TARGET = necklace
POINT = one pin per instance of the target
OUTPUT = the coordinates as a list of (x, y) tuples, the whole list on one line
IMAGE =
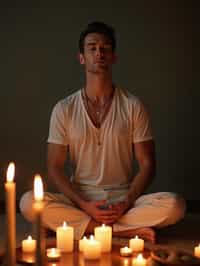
[(96, 111)]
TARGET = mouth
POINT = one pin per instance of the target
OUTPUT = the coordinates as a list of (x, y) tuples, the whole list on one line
[(100, 62)]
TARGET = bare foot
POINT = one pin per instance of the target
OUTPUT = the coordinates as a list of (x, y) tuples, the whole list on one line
[(146, 233)]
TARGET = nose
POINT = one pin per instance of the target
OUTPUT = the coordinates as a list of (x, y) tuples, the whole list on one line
[(100, 51)]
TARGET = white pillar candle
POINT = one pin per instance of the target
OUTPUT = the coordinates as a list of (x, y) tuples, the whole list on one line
[(65, 238), (197, 251), (136, 244), (53, 254), (125, 252), (38, 205), (139, 261), (82, 243), (92, 249), (104, 235), (10, 194), (28, 245)]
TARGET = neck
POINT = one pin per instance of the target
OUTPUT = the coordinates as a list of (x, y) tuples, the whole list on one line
[(99, 88)]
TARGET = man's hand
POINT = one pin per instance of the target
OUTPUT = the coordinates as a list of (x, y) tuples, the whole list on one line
[(120, 207), (106, 216)]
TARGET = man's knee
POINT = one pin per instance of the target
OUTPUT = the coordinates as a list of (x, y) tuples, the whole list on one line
[(25, 205), (177, 209)]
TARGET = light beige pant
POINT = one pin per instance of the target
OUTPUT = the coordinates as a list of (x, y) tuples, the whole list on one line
[(151, 210)]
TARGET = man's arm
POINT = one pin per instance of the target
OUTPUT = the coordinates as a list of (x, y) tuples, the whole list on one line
[(56, 157), (145, 156)]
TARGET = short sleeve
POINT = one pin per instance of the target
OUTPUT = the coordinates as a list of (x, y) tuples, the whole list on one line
[(57, 127), (142, 129)]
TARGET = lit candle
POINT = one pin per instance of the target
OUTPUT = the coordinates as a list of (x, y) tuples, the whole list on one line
[(125, 252), (197, 251), (10, 194), (139, 261), (65, 238), (53, 254), (38, 208), (92, 249), (82, 243), (126, 262), (29, 245), (136, 244), (104, 235)]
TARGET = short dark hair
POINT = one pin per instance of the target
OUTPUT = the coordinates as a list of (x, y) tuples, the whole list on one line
[(97, 27)]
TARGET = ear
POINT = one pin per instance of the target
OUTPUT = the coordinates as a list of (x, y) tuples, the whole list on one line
[(81, 59)]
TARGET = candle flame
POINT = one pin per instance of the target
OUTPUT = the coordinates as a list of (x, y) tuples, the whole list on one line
[(126, 262), (64, 225), (136, 237), (29, 238), (38, 188), (10, 172), (91, 237), (103, 225), (53, 251), (140, 257)]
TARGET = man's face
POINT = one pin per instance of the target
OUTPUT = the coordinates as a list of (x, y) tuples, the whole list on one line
[(98, 56)]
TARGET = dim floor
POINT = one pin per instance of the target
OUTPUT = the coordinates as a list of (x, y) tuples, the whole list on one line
[(184, 235)]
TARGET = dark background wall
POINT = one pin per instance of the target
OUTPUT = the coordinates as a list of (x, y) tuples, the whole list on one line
[(38, 66)]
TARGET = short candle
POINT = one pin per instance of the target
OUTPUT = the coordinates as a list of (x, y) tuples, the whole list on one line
[(92, 249), (125, 252), (82, 243), (139, 261), (65, 238), (29, 245), (197, 251), (136, 244), (53, 254), (104, 235)]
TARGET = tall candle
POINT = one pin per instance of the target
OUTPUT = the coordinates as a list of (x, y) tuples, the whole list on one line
[(10, 194), (136, 244), (197, 251), (104, 235), (65, 238), (139, 261), (38, 208), (92, 249)]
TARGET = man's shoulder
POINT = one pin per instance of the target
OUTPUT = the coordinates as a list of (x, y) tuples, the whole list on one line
[(69, 99), (128, 96)]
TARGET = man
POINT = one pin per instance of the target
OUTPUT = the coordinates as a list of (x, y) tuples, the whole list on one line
[(102, 128)]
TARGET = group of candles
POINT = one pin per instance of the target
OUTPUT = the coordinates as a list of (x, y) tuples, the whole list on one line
[(91, 248)]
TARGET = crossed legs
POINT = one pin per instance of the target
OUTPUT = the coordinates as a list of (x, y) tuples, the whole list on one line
[(149, 211)]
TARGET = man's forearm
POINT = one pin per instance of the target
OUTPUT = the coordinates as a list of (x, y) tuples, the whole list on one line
[(64, 185), (140, 182)]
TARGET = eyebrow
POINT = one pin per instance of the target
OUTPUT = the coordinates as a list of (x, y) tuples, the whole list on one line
[(91, 43)]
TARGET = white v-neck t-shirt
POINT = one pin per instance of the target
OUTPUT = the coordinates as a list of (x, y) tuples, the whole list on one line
[(110, 164)]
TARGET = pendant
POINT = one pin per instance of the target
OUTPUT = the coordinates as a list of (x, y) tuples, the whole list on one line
[(98, 138)]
